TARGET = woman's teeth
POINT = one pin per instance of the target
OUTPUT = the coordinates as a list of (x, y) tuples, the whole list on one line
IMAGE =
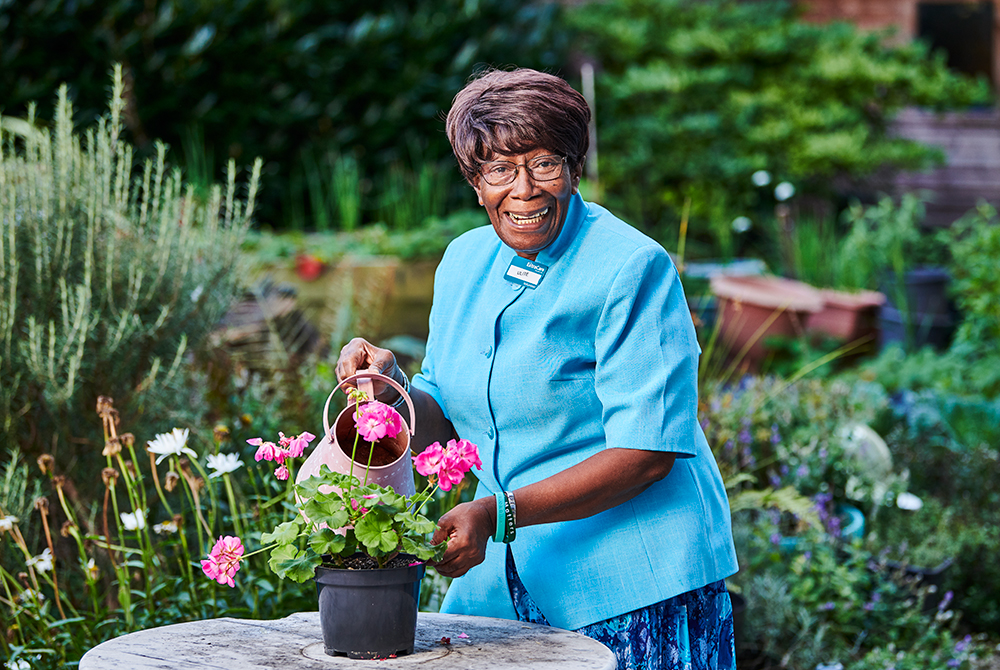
[(534, 218)]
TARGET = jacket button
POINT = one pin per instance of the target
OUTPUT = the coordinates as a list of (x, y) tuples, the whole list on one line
[(490, 433), (488, 351)]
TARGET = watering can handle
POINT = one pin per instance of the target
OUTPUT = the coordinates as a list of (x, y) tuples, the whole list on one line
[(368, 377)]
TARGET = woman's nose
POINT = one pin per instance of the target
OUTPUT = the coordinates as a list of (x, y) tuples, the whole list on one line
[(524, 185)]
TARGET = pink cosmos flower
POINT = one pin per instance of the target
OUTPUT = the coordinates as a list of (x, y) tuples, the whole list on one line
[(224, 560), (428, 461), (375, 420), (297, 445), (266, 451), (281, 472)]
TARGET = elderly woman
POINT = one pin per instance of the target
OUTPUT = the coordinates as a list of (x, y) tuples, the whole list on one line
[(561, 343)]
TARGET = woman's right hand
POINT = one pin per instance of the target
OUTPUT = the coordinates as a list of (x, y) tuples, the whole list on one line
[(360, 355)]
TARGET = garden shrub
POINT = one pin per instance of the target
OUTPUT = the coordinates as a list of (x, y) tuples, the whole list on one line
[(695, 97), (300, 82), (974, 245), (110, 277)]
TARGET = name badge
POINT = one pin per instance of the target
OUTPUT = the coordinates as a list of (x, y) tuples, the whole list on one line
[(523, 272)]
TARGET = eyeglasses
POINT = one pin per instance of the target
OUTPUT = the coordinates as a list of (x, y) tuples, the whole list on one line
[(542, 168)]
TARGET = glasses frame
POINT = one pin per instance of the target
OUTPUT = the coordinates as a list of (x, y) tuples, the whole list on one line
[(518, 166)]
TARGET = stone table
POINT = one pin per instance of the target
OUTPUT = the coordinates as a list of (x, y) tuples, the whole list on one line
[(296, 643)]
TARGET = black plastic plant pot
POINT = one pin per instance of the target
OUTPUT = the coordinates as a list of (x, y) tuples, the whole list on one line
[(369, 614), (925, 577)]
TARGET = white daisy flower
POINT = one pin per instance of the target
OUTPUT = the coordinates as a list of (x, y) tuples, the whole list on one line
[(136, 521), (30, 595), (42, 562), (167, 527), (170, 444), (222, 464), (7, 523), (92, 570)]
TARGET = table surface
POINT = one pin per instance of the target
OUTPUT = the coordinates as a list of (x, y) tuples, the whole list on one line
[(296, 643)]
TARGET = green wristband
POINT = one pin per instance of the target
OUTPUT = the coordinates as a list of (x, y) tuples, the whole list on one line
[(510, 516), (501, 530)]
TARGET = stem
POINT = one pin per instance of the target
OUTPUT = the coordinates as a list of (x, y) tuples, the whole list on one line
[(52, 550), (368, 466), (425, 500), (237, 524), (156, 482)]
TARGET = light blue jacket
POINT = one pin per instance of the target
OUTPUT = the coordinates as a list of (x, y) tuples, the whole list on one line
[(601, 354)]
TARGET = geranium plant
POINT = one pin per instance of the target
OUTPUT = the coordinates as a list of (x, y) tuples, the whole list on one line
[(341, 515)]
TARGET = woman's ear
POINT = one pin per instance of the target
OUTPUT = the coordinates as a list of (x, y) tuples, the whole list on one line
[(474, 183), (576, 174)]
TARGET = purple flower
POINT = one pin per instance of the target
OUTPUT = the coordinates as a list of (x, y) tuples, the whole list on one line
[(802, 471), (963, 644), (745, 437), (775, 480), (827, 606), (775, 538), (775, 434), (869, 606), (704, 423), (783, 469), (823, 453), (807, 555), (954, 663), (945, 601)]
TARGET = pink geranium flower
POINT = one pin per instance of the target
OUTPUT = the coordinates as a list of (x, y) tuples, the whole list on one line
[(452, 470), (281, 472), (375, 420), (267, 451), (224, 560), (467, 453), (428, 461)]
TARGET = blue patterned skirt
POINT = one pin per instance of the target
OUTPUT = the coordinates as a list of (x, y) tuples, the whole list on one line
[(692, 631)]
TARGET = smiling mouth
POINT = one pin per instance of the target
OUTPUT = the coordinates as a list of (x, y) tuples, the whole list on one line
[(529, 220)]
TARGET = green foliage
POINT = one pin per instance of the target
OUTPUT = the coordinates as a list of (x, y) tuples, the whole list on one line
[(833, 603), (974, 245), (962, 370), (301, 82), (694, 97), (375, 521), (109, 274)]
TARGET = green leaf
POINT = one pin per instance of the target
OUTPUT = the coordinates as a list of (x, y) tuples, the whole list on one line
[(284, 533), (327, 508), (325, 541), (423, 549), (376, 533), (288, 562), (416, 523)]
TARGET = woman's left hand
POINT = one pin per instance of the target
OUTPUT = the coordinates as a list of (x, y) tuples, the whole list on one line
[(467, 527)]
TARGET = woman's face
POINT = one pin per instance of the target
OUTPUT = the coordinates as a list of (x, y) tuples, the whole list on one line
[(528, 214)]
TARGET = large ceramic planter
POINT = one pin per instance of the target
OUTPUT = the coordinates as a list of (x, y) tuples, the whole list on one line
[(369, 614), (752, 309), (847, 316)]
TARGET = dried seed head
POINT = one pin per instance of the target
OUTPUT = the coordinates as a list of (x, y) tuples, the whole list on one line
[(130, 466), (185, 467), (128, 439), (67, 529), (104, 405), (171, 481), (178, 520), (42, 504), (221, 433), (23, 578), (112, 447), (45, 463), (110, 477), (59, 481)]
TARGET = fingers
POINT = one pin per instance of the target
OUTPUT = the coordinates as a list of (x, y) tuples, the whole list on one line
[(359, 355), (467, 528)]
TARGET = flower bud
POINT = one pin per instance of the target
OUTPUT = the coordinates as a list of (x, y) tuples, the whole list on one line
[(109, 476), (220, 432), (171, 481), (45, 463)]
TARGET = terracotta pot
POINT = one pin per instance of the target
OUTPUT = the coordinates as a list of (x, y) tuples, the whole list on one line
[(390, 461), (753, 308), (847, 316), (369, 614)]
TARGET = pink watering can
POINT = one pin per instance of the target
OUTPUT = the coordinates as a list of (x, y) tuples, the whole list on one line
[(391, 465)]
